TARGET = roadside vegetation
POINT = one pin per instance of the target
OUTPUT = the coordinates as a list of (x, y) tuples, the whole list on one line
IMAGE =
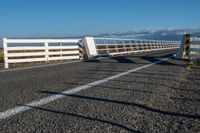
[(1, 55)]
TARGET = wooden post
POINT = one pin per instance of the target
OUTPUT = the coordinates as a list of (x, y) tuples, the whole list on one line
[(46, 45), (5, 45)]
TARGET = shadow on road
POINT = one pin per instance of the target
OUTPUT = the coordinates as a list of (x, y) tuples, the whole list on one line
[(175, 114), (122, 59), (109, 87), (150, 57), (186, 99), (126, 81), (84, 117)]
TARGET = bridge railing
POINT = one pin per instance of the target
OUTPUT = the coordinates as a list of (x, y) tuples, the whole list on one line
[(189, 48), (112, 46), (44, 50), (194, 47), (39, 50)]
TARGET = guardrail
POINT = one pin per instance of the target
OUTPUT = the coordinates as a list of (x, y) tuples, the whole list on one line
[(39, 50), (189, 48), (44, 50), (113, 46), (194, 47)]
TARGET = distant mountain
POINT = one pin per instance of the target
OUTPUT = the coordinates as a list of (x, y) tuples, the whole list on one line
[(175, 34)]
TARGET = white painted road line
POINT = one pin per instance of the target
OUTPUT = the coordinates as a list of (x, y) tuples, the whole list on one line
[(40, 66), (43, 101)]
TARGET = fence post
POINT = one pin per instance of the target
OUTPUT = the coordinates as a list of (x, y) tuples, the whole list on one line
[(131, 46), (164, 44), (5, 50), (161, 45), (82, 51), (142, 46), (60, 44), (156, 45), (169, 45), (187, 45), (137, 47), (46, 45), (90, 47), (184, 49), (153, 45)]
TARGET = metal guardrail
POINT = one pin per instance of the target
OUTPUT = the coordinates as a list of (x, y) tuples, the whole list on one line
[(189, 48), (39, 50), (114, 46), (194, 47)]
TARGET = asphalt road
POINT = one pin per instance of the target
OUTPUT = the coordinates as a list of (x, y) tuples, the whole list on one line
[(163, 97)]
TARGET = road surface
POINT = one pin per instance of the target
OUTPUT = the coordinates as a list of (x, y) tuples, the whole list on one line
[(146, 92)]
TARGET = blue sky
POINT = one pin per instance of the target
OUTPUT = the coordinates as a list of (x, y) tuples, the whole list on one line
[(24, 18)]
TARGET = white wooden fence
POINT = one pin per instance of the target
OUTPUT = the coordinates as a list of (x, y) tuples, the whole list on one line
[(39, 50), (114, 46)]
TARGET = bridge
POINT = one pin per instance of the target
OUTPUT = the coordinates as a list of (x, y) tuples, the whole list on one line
[(126, 85)]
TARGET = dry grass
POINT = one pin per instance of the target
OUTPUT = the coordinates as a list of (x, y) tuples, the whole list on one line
[(194, 63), (1, 55)]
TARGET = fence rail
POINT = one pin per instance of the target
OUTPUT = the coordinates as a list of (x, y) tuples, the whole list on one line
[(115, 46), (28, 50), (39, 50)]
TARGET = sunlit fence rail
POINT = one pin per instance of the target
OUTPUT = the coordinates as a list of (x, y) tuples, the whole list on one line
[(39, 50), (122, 46)]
